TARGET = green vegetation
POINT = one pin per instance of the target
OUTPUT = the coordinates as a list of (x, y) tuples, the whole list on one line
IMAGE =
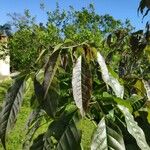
[(17, 135), (73, 26), (84, 79)]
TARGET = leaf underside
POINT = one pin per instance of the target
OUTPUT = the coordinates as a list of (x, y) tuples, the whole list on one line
[(81, 84), (108, 78), (106, 138), (134, 129)]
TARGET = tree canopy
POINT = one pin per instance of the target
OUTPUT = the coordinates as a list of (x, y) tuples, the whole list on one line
[(77, 26)]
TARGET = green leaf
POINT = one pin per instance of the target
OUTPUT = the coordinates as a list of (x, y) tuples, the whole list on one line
[(144, 4), (11, 107), (116, 100), (108, 78), (68, 41), (62, 134), (136, 101), (140, 89), (65, 131), (34, 116), (38, 143), (134, 129), (40, 55), (57, 47), (50, 70), (144, 124), (106, 137), (81, 84), (50, 102), (148, 116), (33, 124), (4, 85)]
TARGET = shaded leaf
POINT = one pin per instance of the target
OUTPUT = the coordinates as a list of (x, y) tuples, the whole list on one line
[(144, 4), (81, 84), (115, 100), (30, 134), (11, 107), (65, 132), (50, 103), (105, 137), (38, 143), (137, 102), (134, 129), (50, 70), (33, 124), (108, 40), (62, 134)]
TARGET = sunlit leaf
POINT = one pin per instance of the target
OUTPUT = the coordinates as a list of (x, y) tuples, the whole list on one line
[(148, 116), (81, 84), (134, 129), (106, 138), (108, 78), (57, 47), (144, 124), (147, 88), (139, 86)]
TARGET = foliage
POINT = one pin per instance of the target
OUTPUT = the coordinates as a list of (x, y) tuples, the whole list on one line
[(144, 4), (106, 137), (30, 38), (106, 88), (3, 50), (5, 29), (28, 43)]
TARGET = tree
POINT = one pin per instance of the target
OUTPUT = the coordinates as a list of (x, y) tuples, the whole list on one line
[(5, 29), (83, 77), (77, 26)]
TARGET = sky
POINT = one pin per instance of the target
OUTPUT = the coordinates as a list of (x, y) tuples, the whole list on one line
[(119, 9)]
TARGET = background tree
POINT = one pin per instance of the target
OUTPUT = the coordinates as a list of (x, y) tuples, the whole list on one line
[(5, 29), (78, 26)]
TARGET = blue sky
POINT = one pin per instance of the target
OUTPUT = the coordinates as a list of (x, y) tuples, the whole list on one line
[(119, 9)]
